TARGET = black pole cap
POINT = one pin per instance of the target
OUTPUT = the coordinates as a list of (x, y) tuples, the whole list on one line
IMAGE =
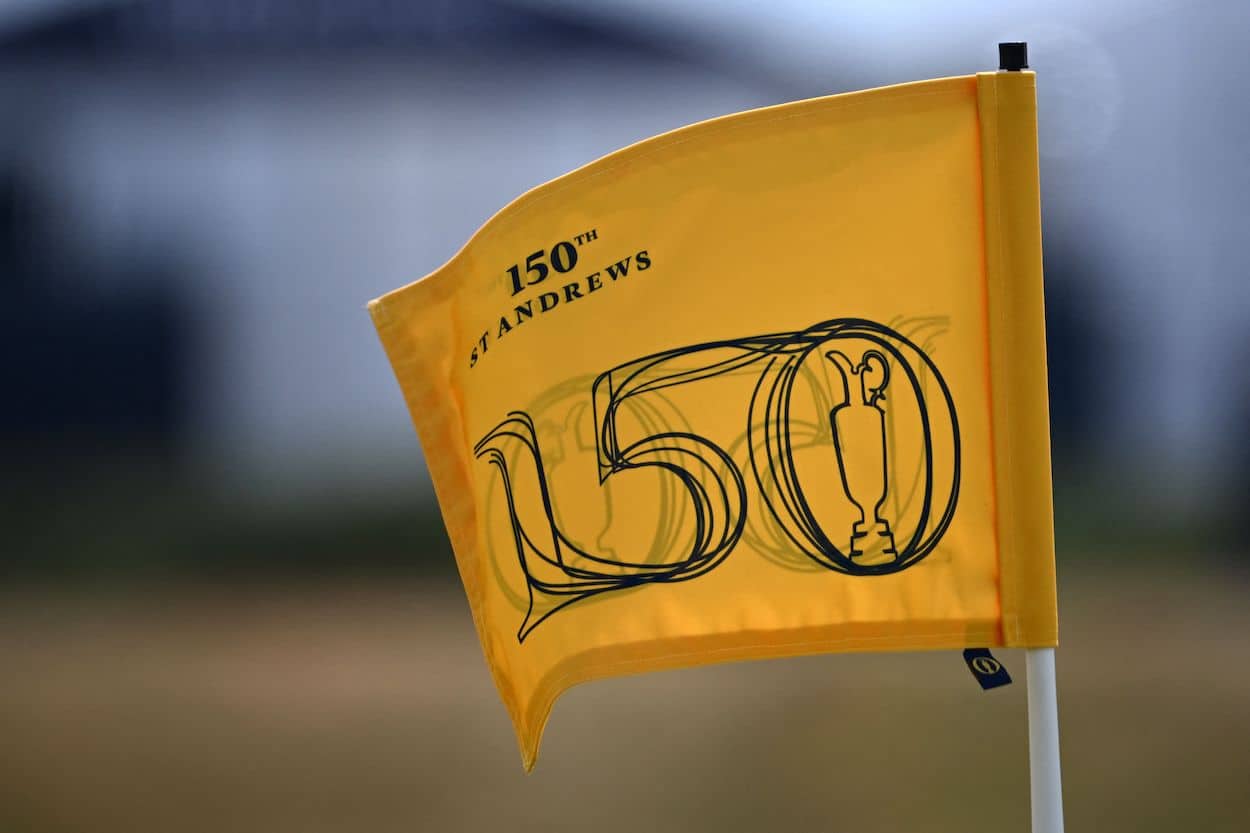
[(1013, 56)]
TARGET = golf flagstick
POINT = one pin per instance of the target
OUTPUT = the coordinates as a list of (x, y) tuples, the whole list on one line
[(1045, 787)]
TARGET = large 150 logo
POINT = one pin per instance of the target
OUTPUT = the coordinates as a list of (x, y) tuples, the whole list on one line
[(846, 431)]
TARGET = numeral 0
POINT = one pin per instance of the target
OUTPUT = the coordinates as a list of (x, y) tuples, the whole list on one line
[(563, 256)]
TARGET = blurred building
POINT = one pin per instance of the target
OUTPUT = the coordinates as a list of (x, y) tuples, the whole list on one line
[(201, 196)]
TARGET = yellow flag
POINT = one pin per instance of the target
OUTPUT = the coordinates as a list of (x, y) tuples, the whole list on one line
[(772, 384)]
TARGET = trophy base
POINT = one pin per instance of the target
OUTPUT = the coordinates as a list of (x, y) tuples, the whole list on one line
[(872, 544)]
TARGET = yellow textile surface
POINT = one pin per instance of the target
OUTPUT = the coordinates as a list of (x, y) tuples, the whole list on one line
[(772, 384)]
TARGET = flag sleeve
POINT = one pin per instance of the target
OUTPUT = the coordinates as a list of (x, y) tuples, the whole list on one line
[(1017, 338)]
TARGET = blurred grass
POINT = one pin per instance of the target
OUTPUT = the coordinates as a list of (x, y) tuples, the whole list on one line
[(176, 659), (364, 704)]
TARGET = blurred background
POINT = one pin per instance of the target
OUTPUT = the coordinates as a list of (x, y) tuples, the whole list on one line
[(226, 598)]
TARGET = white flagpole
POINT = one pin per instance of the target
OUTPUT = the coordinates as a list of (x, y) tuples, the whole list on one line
[(1045, 786), (1046, 790)]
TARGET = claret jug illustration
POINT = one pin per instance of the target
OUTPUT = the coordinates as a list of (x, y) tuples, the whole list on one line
[(858, 426)]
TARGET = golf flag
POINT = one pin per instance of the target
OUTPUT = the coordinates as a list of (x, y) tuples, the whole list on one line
[(768, 385)]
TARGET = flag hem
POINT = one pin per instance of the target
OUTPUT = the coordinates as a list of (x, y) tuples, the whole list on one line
[(1017, 348), (714, 649)]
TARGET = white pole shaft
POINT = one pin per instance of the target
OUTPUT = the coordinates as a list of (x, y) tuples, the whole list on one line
[(1046, 791)]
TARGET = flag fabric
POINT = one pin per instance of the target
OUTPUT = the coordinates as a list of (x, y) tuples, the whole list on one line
[(768, 385)]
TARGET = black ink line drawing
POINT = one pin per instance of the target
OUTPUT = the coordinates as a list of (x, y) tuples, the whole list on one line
[(563, 422), (859, 359), (859, 431)]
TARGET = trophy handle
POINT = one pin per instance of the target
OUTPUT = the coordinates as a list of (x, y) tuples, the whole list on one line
[(859, 442), (873, 361)]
